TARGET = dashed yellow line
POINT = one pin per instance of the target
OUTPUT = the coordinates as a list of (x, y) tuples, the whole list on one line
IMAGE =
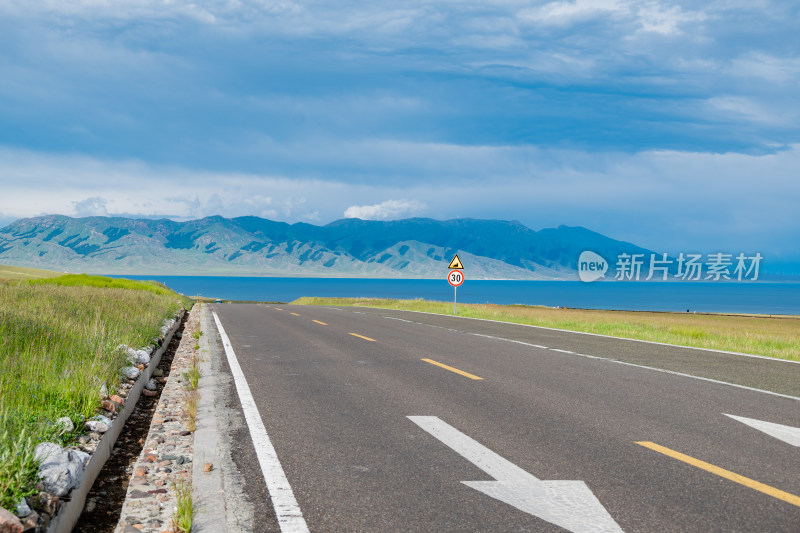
[(451, 369), (295, 314), (727, 474), (363, 337), (279, 309), (318, 322)]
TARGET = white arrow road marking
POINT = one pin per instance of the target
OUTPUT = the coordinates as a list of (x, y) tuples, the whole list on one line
[(788, 434), (568, 504)]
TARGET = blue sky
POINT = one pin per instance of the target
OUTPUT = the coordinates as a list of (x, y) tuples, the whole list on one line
[(674, 125)]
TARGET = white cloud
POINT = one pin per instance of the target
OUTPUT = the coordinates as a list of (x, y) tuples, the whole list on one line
[(569, 12), (769, 68), (736, 108), (656, 18), (666, 200), (624, 16), (94, 206), (388, 210)]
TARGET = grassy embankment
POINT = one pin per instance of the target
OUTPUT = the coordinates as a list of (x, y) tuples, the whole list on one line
[(769, 336), (58, 340), (15, 272)]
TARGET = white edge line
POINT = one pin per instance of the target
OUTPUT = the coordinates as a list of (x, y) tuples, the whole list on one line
[(587, 333), (287, 510), (673, 372)]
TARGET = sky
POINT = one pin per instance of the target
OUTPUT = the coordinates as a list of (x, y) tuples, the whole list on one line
[(673, 125)]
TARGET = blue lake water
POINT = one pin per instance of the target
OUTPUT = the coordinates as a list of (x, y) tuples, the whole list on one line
[(719, 297)]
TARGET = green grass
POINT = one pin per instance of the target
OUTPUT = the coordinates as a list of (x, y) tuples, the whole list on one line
[(191, 397), (15, 272), (185, 508), (58, 343), (193, 375), (760, 335), (18, 467), (102, 282)]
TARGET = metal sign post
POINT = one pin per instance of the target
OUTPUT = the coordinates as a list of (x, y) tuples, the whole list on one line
[(455, 278)]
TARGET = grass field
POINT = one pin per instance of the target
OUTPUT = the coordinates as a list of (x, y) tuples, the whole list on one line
[(15, 272), (769, 336), (58, 346)]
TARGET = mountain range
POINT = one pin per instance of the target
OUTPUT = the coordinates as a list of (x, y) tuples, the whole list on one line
[(252, 246)]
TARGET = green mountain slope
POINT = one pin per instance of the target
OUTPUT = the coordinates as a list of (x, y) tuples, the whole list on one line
[(416, 247)]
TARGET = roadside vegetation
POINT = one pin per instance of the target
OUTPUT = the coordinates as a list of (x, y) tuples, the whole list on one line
[(759, 335), (58, 348), (185, 507)]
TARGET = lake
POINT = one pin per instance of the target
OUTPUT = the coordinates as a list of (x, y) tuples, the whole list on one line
[(713, 297)]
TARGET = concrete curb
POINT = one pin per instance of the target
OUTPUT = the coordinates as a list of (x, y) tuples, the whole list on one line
[(208, 487), (70, 512)]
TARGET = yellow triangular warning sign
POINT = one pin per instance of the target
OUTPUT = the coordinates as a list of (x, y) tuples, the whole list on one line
[(456, 263)]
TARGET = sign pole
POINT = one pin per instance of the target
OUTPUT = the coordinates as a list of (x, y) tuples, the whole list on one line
[(455, 278)]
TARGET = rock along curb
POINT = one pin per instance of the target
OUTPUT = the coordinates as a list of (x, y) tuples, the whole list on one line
[(70, 511)]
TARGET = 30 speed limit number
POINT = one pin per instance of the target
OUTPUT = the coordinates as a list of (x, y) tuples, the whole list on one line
[(455, 278)]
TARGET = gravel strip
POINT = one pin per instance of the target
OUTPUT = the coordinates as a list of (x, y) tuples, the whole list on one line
[(168, 452)]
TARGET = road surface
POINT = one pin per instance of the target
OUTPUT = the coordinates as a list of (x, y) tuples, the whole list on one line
[(398, 421)]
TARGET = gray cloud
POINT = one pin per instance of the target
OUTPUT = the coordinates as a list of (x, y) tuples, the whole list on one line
[(668, 124)]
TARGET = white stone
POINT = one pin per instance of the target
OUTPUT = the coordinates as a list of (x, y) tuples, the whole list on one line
[(96, 425), (47, 452), (66, 424), (59, 469), (151, 384), (137, 356), (23, 509), (81, 456), (131, 372)]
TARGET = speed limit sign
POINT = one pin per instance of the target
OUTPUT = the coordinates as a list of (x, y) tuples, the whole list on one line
[(455, 278)]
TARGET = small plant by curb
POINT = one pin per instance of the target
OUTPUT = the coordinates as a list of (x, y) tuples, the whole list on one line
[(192, 376), (191, 397), (190, 401), (185, 508)]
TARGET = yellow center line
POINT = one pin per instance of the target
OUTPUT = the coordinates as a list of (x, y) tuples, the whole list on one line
[(279, 309), (451, 369), (363, 337), (318, 322), (295, 314), (727, 474)]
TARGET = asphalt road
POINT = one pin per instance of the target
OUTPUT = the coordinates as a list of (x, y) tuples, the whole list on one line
[(335, 388)]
